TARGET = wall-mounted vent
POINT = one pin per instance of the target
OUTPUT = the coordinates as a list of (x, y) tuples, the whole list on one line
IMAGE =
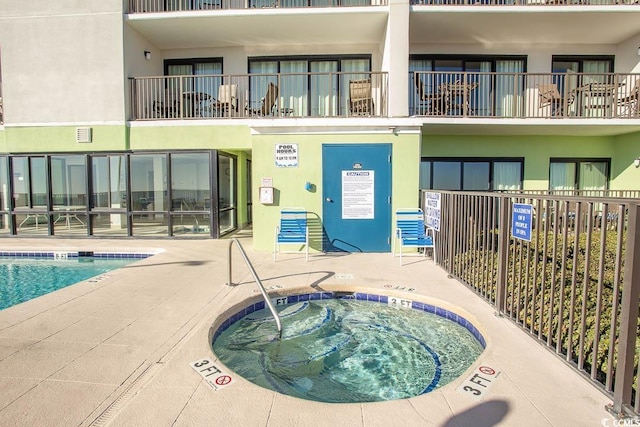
[(83, 134)]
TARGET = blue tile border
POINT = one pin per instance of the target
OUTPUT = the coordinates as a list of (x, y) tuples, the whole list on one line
[(74, 254), (359, 296)]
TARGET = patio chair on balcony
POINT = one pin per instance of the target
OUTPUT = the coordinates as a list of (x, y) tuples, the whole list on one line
[(267, 104), (360, 98), (629, 106), (165, 109), (226, 103), (428, 103), (550, 96)]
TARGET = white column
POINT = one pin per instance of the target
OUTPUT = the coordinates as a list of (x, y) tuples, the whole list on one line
[(395, 57)]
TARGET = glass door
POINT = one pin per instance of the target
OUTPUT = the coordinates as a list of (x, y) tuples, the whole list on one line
[(227, 193), (108, 201)]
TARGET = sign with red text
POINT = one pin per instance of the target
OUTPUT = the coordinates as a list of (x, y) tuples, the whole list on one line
[(212, 374), (479, 383)]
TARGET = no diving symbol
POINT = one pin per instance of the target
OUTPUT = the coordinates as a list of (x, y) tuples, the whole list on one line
[(485, 370), (223, 380)]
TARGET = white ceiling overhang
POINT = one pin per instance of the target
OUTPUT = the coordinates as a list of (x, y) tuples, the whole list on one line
[(525, 25), (262, 27)]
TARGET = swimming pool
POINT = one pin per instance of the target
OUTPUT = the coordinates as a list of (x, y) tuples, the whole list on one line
[(348, 347), (27, 275)]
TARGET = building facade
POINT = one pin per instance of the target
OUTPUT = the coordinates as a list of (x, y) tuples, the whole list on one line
[(194, 118)]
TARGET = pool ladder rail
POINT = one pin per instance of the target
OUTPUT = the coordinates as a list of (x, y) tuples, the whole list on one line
[(267, 300)]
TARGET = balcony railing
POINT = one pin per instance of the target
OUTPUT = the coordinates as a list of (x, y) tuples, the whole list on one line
[(155, 6), (524, 95), (526, 2), (343, 94)]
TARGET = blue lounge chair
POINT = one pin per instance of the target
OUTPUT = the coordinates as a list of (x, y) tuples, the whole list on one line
[(411, 232), (293, 229)]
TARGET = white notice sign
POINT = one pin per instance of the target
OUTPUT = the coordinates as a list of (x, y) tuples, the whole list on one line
[(432, 210), (477, 385), (213, 375), (357, 194), (287, 155)]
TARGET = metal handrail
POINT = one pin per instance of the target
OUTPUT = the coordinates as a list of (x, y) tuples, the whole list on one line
[(258, 282)]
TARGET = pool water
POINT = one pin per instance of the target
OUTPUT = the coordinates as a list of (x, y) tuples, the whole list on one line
[(345, 350), (22, 279)]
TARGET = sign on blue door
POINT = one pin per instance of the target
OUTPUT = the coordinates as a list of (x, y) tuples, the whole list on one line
[(521, 219)]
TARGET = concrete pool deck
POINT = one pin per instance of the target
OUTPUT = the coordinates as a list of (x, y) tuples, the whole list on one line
[(117, 351)]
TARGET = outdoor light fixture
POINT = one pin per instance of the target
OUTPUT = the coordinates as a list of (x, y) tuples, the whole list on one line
[(636, 162), (147, 54)]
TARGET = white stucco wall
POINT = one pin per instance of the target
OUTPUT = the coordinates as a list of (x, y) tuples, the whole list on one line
[(62, 61)]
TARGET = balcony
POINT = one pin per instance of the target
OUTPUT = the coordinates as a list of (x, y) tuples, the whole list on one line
[(259, 96), (154, 6), (524, 95), (526, 2)]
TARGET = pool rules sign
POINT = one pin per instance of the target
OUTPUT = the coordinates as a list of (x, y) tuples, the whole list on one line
[(521, 219)]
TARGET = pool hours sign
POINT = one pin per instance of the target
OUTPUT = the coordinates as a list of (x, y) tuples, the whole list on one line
[(287, 155)]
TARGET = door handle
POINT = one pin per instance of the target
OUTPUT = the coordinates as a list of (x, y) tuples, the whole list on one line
[(329, 200)]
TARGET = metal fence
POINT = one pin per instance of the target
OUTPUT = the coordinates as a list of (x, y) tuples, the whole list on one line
[(524, 95), (155, 6), (340, 94), (586, 3), (574, 286)]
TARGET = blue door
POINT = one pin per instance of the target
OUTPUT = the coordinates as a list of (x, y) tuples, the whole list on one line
[(356, 193)]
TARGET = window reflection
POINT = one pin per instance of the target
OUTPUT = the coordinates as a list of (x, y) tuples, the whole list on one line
[(21, 192), (109, 182), (125, 194), (149, 182), (68, 182), (190, 189)]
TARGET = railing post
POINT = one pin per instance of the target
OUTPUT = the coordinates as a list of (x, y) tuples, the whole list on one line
[(503, 252), (452, 218), (628, 317)]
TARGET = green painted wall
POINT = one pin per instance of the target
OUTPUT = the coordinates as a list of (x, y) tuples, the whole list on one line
[(289, 183), (49, 139), (190, 137), (624, 175), (536, 150)]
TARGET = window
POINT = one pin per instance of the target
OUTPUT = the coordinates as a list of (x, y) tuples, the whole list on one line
[(578, 174), (571, 72), (471, 174), (498, 92), (307, 86), (116, 194), (582, 64), (196, 66), (68, 182), (29, 182), (195, 92), (109, 180)]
